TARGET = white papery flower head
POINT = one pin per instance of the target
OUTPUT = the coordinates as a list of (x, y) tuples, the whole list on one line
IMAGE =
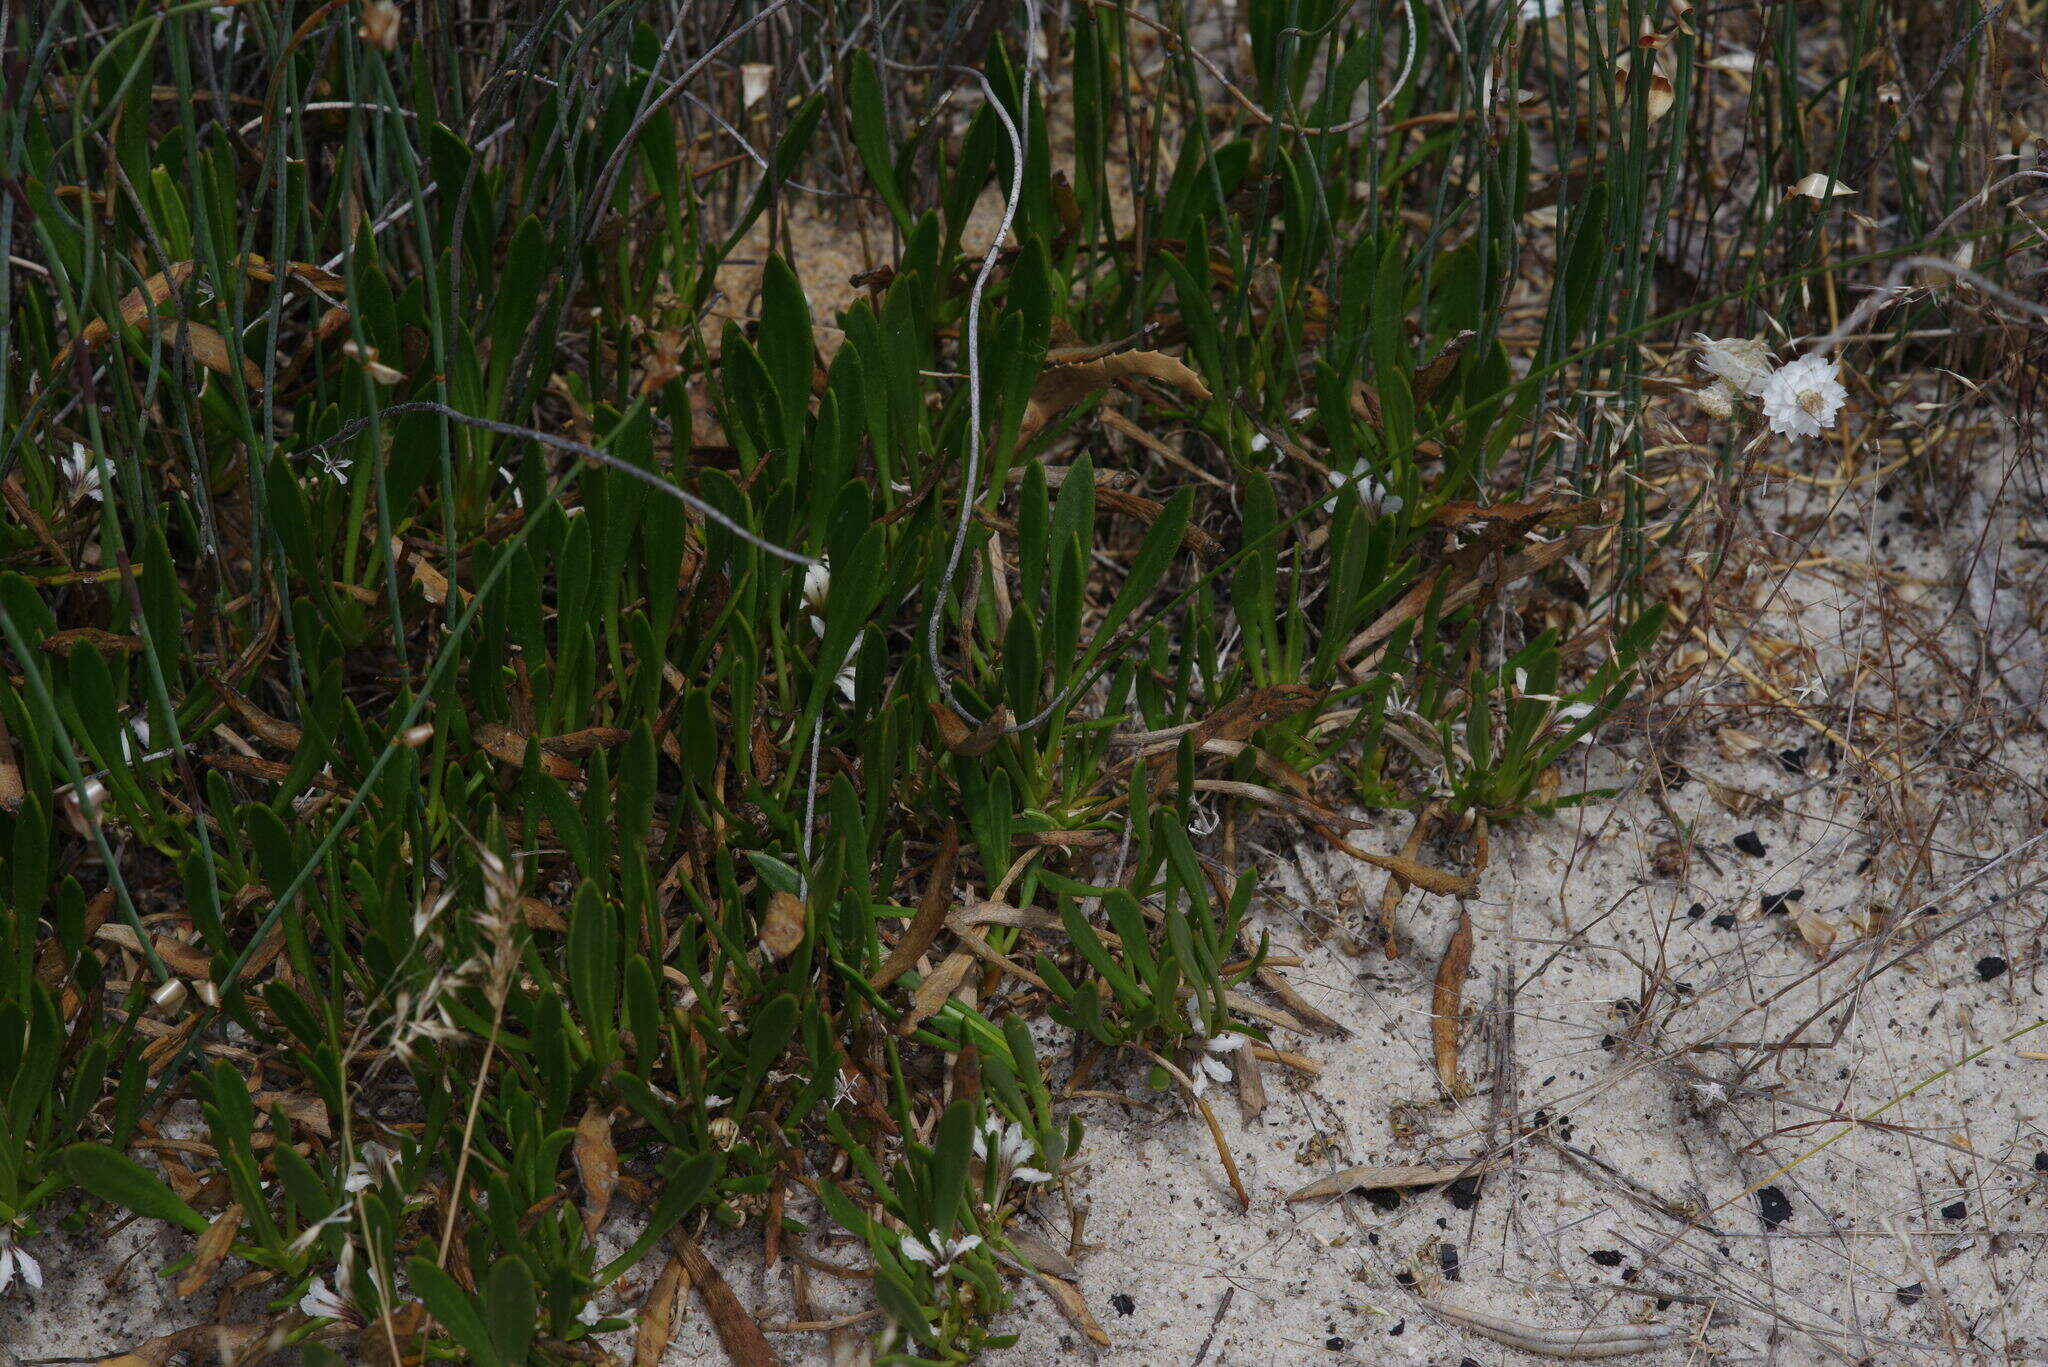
[(1803, 398), (1744, 363), (1716, 400)]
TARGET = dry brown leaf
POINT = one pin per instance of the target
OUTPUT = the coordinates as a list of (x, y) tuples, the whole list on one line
[(1074, 1306), (1817, 930), (1060, 387), (935, 991), (931, 914), (211, 1251), (301, 1108), (962, 740), (541, 915), (1412, 871), (502, 743), (657, 1315), (1391, 1177), (266, 727), (210, 349), (1736, 800), (577, 744), (782, 929), (1040, 1253), (240, 1344), (105, 642), (737, 1332), (1445, 1003), (388, 1341), (1736, 743), (597, 1166)]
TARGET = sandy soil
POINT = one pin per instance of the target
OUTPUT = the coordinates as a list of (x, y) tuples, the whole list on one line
[(1787, 1154)]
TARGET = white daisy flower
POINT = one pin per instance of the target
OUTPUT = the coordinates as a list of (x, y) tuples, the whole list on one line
[(1743, 363), (1803, 398), (14, 1259), (938, 1253)]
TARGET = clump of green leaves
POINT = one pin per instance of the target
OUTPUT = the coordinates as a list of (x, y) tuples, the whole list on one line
[(469, 642)]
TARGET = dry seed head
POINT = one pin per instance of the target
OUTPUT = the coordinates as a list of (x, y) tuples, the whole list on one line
[(380, 25)]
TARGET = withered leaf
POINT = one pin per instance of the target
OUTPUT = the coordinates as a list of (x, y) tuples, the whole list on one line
[(934, 992), (1074, 1306), (1817, 930), (931, 914), (211, 1250), (782, 929), (597, 1165), (1060, 387), (1445, 1002), (657, 1315), (737, 1332), (1370, 1178)]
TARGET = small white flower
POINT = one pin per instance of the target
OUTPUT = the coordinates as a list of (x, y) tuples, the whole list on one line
[(1804, 397), (1006, 1148), (755, 78), (1743, 363), (227, 27), (817, 588), (1208, 1064), (324, 1302), (81, 474), (1371, 492), (845, 678), (712, 1103), (937, 1253), (311, 1233), (844, 1090), (335, 467), (138, 729), (1819, 188), (16, 1259)]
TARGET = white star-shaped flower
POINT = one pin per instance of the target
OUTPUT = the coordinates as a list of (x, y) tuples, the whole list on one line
[(939, 1253)]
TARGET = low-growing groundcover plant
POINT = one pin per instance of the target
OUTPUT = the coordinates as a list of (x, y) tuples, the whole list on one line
[(531, 748)]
